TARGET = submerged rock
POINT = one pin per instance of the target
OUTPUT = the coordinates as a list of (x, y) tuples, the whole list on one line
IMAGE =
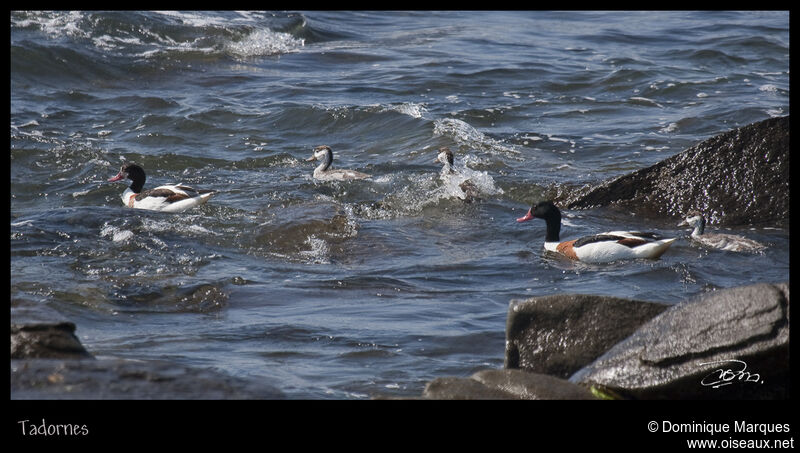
[(729, 344), (505, 384), (737, 178), (560, 334), (127, 379)]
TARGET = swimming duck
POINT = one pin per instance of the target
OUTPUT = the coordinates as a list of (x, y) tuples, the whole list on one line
[(167, 198), (468, 188), (325, 173), (598, 248), (730, 242)]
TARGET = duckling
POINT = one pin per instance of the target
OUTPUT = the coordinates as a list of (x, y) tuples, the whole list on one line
[(325, 173), (722, 241)]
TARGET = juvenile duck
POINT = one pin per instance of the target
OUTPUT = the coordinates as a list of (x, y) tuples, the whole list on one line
[(722, 241), (325, 173)]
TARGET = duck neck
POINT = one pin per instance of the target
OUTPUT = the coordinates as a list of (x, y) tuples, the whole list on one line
[(699, 227), (138, 184), (553, 229), (326, 162), (448, 169)]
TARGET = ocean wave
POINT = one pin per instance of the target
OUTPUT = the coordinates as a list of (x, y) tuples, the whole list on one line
[(464, 134), (411, 109), (164, 33), (52, 23)]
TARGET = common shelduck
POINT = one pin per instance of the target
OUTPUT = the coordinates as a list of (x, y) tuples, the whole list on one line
[(468, 188), (598, 248), (730, 242), (167, 198), (325, 173)]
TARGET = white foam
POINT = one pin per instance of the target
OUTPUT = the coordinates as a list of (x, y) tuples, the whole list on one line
[(55, 23), (319, 250), (163, 226), (264, 42), (113, 42), (480, 179), (117, 234), (645, 100), (671, 127), (465, 134), (192, 19), (409, 108), (29, 124)]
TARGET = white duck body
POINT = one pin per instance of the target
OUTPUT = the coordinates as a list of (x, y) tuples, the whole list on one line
[(323, 171), (598, 248), (189, 198), (166, 198), (722, 241), (611, 249)]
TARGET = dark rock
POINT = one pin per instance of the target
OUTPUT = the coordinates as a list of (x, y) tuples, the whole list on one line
[(559, 334), (680, 353), (455, 388), (736, 178), (46, 340), (41, 332), (532, 386), (505, 384), (125, 379)]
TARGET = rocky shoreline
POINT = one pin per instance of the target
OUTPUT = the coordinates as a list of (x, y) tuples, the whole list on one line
[(725, 344)]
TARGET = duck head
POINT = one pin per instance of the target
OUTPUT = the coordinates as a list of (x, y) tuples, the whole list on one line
[(133, 172), (543, 210), (324, 153)]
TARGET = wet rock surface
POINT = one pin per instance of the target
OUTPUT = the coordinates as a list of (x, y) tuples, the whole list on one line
[(559, 334), (729, 344), (505, 384), (40, 332), (46, 340), (726, 344), (740, 177), (127, 379)]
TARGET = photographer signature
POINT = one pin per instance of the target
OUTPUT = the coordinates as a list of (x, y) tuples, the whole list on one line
[(737, 372)]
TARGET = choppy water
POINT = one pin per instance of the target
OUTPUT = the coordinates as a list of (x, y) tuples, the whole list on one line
[(348, 290)]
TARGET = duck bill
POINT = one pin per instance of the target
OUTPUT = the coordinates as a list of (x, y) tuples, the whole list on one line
[(526, 217), (311, 159), (119, 176)]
